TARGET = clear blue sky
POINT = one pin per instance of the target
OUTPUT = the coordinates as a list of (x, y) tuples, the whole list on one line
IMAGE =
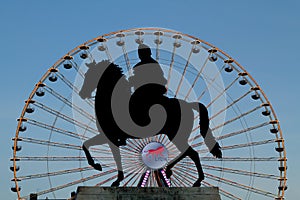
[(261, 35)]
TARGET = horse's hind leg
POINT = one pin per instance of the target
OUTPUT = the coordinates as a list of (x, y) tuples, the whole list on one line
[(195, 157), (117, 157)]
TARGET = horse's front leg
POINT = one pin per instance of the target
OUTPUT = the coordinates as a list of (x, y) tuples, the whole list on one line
[(117, 157), (96, 140)]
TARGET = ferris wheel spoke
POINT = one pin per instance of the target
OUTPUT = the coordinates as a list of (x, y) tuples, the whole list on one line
[(178, 179), (236, 118), (242, 159), (66, 118), (183, 73), (222, 191), (132, 174), (70, 104), (131, 161), (241, 186), (78, 70), (231, 171), (59, 158), (158, 41), (69, 83), (236, 146), (126, 59), (218, 96), (135, 181), (108, 53), (58, 144), (187, 172), (171, 67), (230, 105), (74, 182), (107, 180), (222, 92), (207, 86), (132, 147), (50, 143), (170, 146), (228, 135), (56, 173), (240, 172), (196, 79), (162, 137), (137, 144), (129, 153), (56, 129), (182, 177)]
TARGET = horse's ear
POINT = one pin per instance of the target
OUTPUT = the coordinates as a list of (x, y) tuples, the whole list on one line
[(92, 64)]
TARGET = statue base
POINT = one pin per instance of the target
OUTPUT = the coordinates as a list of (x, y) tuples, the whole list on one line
[(147, 193)]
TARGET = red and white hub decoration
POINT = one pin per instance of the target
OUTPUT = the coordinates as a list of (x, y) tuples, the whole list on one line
[(155, 157)]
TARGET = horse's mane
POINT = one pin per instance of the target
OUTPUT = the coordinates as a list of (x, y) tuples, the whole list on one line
[(112, 68), (110, 72), (105, 67)]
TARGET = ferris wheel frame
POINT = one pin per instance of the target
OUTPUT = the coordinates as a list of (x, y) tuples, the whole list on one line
[(248, 79)]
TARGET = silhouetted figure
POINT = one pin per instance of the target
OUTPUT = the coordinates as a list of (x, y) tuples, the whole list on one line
[(148, 72), (148, 82), (116, 122)]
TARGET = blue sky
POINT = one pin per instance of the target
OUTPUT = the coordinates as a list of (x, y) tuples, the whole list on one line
[(263, 36)]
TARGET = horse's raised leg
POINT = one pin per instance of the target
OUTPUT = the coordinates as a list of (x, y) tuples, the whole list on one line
[(117, 157), (99, 140), (96, 140)]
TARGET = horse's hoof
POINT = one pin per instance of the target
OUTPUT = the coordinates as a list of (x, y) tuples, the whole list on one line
[(169, 173), (216, 151), (115, 184), (197, 183), (120, 176), (97, 166)]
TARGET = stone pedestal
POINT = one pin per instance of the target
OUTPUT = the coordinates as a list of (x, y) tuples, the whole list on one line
[(134, 193)]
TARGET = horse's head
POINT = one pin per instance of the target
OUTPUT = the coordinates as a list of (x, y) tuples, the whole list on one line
[(96, 72), (92, 76)]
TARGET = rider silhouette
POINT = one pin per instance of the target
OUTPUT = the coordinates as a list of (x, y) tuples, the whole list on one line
[(148, 73), (148, 83)]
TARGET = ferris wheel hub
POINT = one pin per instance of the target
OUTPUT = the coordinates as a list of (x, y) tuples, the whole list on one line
[(155, 155)]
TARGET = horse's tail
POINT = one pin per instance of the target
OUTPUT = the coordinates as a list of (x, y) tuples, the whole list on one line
[(204, 119), (205, 131)]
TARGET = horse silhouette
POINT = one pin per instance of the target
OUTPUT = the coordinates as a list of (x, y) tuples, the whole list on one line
[(121, 115)]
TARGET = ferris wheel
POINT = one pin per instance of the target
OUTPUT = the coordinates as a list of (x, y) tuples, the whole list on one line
[(47, 147)]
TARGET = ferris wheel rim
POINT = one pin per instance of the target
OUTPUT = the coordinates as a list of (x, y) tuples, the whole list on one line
[(252, 83)]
